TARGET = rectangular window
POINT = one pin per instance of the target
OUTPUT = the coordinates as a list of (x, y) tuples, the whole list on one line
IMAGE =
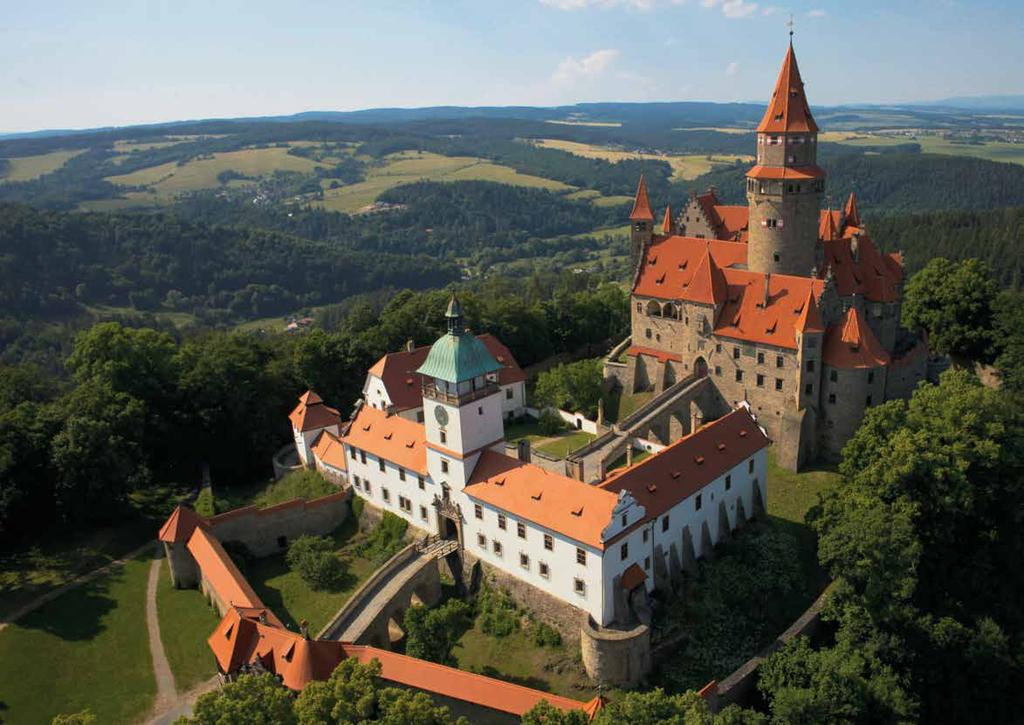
[(832, 398), (405, 504), (697, 503), (362, 456), (501, 521), (760, 358), (871, 376), (508, 394), (497, 547), (444, 466), (353, 452), (739, 376), (750, 466), (366, 486), (387, 496), (647, 333), (380, 463), (624, 519), (423, 512), (580, 587), (549, 543), (544, 571), (444, 437), (419, 416), (423, 483), (833, 375), (718, 347), (868, 401), (809, 389), (810, 366), (581, 556), (521, 529), (481, 541), (760, 380), (778, 383), (728, 481), (718, 370), (779, 361), (735, 353), (478, 511), (624, 551), (647, 562), (355, 479), (524, 561), (664, 522), (401, 474)]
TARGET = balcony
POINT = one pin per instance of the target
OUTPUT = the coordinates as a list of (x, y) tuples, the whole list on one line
[(430, 390)]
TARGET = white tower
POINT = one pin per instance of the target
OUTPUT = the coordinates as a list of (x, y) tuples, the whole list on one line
[(461, 403)]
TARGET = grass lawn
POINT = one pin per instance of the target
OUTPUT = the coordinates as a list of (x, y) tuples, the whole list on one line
[(620, 462), (27, 168), (566, 444), (297, 484), (684, 166), (292, 599), (516, 658), (619, 405), (186, 620), (86, 649)]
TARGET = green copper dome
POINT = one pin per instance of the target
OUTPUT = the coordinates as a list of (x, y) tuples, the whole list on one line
[(458, 356)]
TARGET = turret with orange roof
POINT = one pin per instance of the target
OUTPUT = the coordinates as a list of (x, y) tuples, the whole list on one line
[(667, 226), (788, 111), (810, 316), (642, 204), (708, 285), (851, 213)]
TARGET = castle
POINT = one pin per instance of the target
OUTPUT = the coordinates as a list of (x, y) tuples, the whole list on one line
[(788, 308)]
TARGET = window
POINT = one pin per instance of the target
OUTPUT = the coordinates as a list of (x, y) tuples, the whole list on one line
[(501, 521), (718, 347), (423, 512), (871, 376), (496, 545), (728, 481), (735, 353), (524, 561), (647, 562), (387, 496), (549, 543), (624, 519), (444, 437), (639, 306), (355, 479), (739, 376), (809, 389), (380, 463), (718, 370), (479, 410), (750, 466), (760, 380), (779, 361), (579, 587), (810, 366), (624, 551), (521, 529), (366, 486), (405, 504), (423, 483), (481, 541), (778, 383), (760, 358), (868, 401), (419, 416), (544, 571), (833, 375), (647, 333), (353, 452), (478, 511), (362, 456), (664, 523), (508, 393), (775, 257), (444, 466), (832, 398), (647, 534), (401, 474), (697, 503), (581, 556)]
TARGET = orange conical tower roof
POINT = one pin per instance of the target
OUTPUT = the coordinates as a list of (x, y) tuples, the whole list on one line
[(666, 223), (642, 205), (828, 231), (852, 213), (788, 111), (810, 316), (852, 344), (708, 284)]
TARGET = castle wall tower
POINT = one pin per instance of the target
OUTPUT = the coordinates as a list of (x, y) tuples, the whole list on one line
[(785, 187), (641, 221)]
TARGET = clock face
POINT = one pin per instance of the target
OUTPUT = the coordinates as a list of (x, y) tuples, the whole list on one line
[(441, 414)]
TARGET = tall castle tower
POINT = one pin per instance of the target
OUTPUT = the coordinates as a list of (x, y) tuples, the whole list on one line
[(641, 221), (785, 187)]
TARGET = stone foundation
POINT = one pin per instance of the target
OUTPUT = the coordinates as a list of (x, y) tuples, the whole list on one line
[(615, 657)]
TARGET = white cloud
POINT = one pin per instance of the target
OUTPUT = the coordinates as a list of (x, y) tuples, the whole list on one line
[(572, 70), (732, 69), (732, 8), (770, 10), (816, 13)]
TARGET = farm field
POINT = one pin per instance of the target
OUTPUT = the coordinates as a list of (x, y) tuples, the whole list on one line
[(27, 168), (168, 180), (932, 144), (683, 166), (410, 166)]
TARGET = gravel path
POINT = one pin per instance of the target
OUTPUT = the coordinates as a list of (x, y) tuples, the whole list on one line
[(165, 692)]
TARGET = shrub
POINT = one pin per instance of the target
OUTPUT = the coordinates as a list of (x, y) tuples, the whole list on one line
[(498, 616), (305, 484), (431, 633), (551, 423), (205, 505), (544, 635), (316, 561), (357, 505), (385, 539)]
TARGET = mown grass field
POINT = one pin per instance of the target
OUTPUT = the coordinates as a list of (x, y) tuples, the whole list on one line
[(26, 168), (410, 166), (86, 649), (933, 144), (683, 166), (186, 620)]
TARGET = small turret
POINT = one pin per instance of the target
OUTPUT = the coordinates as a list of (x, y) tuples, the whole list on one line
[(641, 221)]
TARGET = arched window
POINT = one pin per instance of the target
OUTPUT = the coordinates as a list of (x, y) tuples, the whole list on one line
[(653, 309)]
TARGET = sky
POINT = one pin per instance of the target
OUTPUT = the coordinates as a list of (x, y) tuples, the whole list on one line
[(90, 63)]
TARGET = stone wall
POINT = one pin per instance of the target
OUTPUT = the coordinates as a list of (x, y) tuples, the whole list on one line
[(268, 531), (616, 657)]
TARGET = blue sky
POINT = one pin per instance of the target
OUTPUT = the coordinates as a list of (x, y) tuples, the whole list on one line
[(85, 63)]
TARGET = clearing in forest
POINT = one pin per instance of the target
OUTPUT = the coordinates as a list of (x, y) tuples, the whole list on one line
[(684, 166), (27, 168)]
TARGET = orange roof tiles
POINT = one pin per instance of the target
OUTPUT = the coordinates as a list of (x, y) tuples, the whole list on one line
[(787, 110), (669, 264), (390, 437), (810, 318), (745, 315), (708, 285), (733, 218), (457, 684), (868, 272), (330, 451), (397, 370), (312, 413), (662, 355), (641, 205), (682, 469), (180, 525), (851, 212), (220, 572), (570, 507), (852, 344), (829, 220), (666, 223), (790, 173)]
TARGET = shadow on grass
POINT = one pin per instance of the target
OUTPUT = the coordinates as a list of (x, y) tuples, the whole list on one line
[(533, 682), (77, 614)]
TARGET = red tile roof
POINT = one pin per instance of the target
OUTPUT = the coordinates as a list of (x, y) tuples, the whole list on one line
[(870, 273), (397, 370), (787, 110), (852, 344), (682, 469), (179, 525), (390, 437), (733, 218), (708, 285), (670, 264), (810, 318), (662, 355), (457, 684), (641, 205), (570, 507), (312, 413), (747, 315), (666, 223), (330, 451), (828, 223), (220, 572), (852, 213), (792, 173)]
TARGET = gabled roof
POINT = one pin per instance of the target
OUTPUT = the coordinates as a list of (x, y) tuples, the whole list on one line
[(312, 413), (641, 205), (870, 273), (329, 450), (390, 437), (666, 223), (220, 572), (851, 212), (749, 315), (669, 264), (733, 217), (810, 318), (574, 509), (707, 285), (828, 229), (682, 469), (787, 110), (852, 344), (180, 525)]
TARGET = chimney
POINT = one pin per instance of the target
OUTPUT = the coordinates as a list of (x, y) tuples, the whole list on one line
[(764, 298), (523, 450), (263, 616), (410, 345), (304, 628), (629, 454)]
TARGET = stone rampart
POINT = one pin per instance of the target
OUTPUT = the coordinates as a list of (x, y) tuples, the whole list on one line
[(615, 657), (268, 531)]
